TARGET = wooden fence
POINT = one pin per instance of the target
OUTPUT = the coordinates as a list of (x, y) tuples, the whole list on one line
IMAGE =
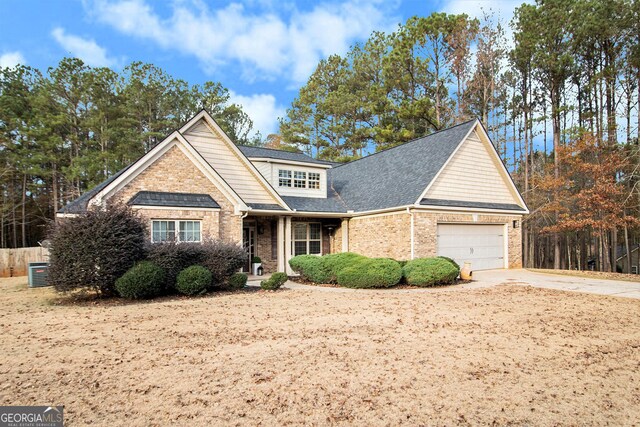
[(15, 262)]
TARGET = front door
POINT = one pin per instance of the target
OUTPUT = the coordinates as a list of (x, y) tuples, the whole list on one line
[(249, 244)]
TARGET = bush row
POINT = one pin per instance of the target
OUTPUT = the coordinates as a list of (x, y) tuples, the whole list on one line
[(357, 271), (105, 250)]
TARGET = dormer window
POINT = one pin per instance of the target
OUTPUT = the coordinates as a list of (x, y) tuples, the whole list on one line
[(314, 180), (284, 178), (298, 179)]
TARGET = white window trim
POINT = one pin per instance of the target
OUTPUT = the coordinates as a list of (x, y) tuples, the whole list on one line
[(288, 178), (305, 181), (177, 229), (307, 240)]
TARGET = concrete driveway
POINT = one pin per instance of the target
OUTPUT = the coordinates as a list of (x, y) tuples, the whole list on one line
[(556, 281)]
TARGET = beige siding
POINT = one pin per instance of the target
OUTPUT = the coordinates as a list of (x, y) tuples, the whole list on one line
[(270, 171), (228, 164), (473, 175)]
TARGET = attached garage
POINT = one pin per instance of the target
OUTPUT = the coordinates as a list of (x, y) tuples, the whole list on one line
[(483, 245)]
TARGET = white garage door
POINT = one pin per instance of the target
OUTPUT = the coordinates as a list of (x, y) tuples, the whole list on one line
[(480, 244)]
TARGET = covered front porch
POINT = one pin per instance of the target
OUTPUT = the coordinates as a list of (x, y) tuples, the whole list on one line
[(277, 238)]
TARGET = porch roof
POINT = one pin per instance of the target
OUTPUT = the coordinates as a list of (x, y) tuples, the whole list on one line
[(178, 200)]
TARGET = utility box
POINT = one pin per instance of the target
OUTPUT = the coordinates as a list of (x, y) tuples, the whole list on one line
[(38, 274)]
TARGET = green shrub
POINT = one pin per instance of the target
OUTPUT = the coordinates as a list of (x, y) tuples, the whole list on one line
[(456, 265), (274, 282), (94, 249), (143, 280), (311, 267), (402, 262), (193, 280), (256, 260), (430, 272), (335, 263), (371, 273), (173, 258), (237, 281)]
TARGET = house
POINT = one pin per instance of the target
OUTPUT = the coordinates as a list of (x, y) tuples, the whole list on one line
[(444, 194), (621, 259)]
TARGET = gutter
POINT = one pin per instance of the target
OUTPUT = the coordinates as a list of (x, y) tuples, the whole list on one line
[(410, 212)]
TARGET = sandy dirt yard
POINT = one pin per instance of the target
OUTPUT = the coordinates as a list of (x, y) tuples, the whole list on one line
[(502, 355)]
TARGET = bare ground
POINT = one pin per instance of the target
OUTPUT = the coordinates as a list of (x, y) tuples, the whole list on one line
[(501, 355)]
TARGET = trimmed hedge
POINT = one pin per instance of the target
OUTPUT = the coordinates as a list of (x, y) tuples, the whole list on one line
[(430, 272), (193, 280), (323, 269), (237, 281), (143, 280), (335, 263), (311, 267), (455, 264), (371, 273), (274, 282)]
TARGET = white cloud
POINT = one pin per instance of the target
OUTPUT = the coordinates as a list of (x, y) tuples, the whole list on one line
[(11, 59), (266, 44), (86, 49), (262, 109)]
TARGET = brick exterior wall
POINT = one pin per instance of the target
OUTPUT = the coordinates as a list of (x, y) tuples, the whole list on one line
[(426, 232), (385, 235), (265, 243), (174, 172)]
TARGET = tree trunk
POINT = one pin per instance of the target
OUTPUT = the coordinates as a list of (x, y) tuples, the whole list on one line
[(627, 248), (24, 210)]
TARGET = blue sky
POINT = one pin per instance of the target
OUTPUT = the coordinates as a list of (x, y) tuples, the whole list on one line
[(262, 50)]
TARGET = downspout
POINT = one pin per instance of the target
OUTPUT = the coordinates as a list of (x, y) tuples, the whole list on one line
[(410, 212)]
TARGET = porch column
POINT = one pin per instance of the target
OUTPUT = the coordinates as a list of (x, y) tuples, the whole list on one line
[(280, 244), (287, 245), (345, 234)]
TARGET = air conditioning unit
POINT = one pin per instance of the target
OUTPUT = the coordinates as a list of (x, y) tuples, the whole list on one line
[(38, 274)]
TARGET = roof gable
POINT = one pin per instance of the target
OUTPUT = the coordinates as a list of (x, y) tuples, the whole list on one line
[(121, 179), (474, 174), (204, 134), (399, 175)]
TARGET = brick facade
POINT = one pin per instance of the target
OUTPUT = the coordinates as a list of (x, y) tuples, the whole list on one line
[(389, 235), (174, 172), (264, 241), (383, 235)]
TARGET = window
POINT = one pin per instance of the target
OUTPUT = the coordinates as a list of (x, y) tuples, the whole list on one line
[(165, 231), (314, 180), (284, 178), (307, 238), (300, 179), (189, 231)]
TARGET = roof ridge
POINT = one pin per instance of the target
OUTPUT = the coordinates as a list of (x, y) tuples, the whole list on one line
[(404, 144), (273, 149)]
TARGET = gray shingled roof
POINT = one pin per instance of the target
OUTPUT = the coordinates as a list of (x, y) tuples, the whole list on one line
[(266, 207), (480, 205), (313, 204), (397, 176), (178, 200), (390, 178), (271, 153), (79, 205)]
